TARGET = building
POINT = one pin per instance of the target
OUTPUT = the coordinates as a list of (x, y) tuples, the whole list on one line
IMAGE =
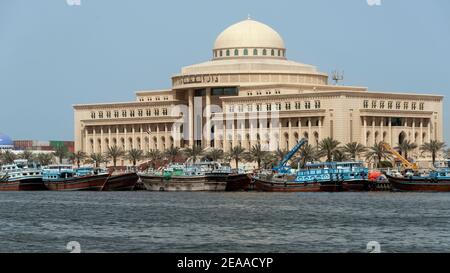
[(42, 146), (6, 143), (249, 93)]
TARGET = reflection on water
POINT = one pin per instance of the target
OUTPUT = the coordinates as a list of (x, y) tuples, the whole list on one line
[(224, 222)]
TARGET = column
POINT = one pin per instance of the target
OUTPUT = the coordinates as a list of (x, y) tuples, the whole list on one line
[(414, 130), (158, 138), (95, 140), (166, 136), (102, 144), (109, 137), (309, 129), (320, 128), (373, 131), (133, 140), (191, 116), (421, 132), (208, 117), (365, 132), (390, 131), (86, 140), (382, 129), (290, 137), (300, 136), (429, 130)]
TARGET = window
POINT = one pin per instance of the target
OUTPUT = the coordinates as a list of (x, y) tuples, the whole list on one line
[(164, 111), (249, 107), (366, 104), (140, 112), (317, 104), (381, 104), (228, 52), (132, 113), (269, 107), (278, 106), (421, 106), (264, 52), (231, 108), (288, 106), (227, 91), (240, 108), (307, 105), (100, 114), (245, 52), (389, 104), (116, 113), (272, 52), (156, 111), (236, 52), (148, 112), (255, 52), (374, 104), (413, 106), (108, 114), (92, 114), (124, 113), (405, 105), (258, 107), (397, 105), (221, 53), (297, 105), (279, 53)]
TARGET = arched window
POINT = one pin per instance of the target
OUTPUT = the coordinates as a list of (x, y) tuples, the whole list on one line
[(273, 52), (255, 52), (221, 53), (228, 52), (245, 52), (265, 52), (279, 53), (236, 52)]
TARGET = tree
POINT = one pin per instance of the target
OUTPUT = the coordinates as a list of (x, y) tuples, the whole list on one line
[(406, 146), (114, 153), (236, 153), (135, 155), (27, 155), (193, 153), (339, 156), (433, 147), (97, 159), (269, 160), (280, 154), (45, 159), (8, 157), (354, 149), (77, 157), (60, 152), (154, 156), (172, 153), (377, 153), (256, 154), (328, 146), (307, 153), (215, 154)]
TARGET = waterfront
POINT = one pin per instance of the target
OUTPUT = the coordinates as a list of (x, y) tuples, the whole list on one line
[(224, 222)]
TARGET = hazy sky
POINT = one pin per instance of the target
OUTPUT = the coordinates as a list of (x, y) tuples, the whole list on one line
[(53, 55)]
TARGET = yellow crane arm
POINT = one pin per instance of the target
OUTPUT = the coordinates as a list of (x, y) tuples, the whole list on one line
[(406, 164)]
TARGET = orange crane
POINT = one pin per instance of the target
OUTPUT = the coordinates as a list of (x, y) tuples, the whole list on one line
[(405, 163)]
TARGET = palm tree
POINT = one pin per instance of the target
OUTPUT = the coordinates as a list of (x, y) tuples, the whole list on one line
[(236, 154), (354, 149), (97, 159), (8, 157), (281, 153), (28, 155), (45, 159), (339, 155), (172, 153), (377, 153), (215, 154), (433, 147), (114, 153), (135, 155), (269, 159), (193, 153), (60, 152), (328, 146), (154, 156), (406, 146), (308, 153), (256, 154), (77, 157)]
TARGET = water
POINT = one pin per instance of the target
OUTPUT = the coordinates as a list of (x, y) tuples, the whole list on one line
[(224, 222)]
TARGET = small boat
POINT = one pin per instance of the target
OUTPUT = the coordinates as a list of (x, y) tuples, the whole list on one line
[(21, 177), (205, 176), (437, 180), (121, 182), (64, 178)]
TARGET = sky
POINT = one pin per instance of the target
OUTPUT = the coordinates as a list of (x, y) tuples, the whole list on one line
[(54, 55)]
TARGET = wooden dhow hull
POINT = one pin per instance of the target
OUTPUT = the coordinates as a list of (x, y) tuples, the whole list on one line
[(25, 184), (276, 186), (183, 183), (121, 182), (85, 183), (419, 184), (238, 182)]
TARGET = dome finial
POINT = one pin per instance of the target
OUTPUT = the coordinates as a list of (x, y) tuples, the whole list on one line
[(249, 17)]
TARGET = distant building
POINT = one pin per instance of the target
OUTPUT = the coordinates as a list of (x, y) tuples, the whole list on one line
[(6, 143), (42, 146)]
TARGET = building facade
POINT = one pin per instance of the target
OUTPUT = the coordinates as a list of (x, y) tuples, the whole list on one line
[(249, 93)]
